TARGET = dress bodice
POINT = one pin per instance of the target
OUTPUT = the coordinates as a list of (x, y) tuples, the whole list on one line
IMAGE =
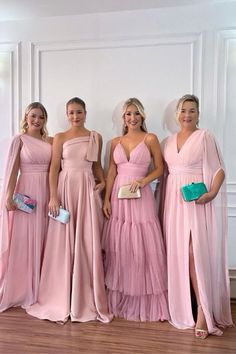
[(80, 152), (189, 159), (138, 163), (35, 155)]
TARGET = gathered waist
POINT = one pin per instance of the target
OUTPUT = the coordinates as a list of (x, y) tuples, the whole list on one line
[(34, 168), (132, 170), (185, 170)]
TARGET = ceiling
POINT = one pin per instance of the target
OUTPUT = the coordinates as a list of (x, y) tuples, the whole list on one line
[(23, 9)]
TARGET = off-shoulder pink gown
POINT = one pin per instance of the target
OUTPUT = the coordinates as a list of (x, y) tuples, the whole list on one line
[(22, 235), (198, 160), (135, 260), (72, 279)]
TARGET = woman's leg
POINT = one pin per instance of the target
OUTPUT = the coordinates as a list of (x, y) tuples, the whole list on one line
[(201, 321)]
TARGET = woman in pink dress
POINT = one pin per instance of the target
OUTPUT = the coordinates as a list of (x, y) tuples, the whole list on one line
[(195, 231), (135, 261), (72, 279), (22, 235)]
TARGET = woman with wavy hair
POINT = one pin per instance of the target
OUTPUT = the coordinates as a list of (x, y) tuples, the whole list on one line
[(135, 263), (22, 234)]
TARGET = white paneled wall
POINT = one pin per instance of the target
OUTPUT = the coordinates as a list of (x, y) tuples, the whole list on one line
[(155, 55)]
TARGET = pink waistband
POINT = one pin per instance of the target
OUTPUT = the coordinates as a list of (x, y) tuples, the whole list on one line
[(34, 168), (186, 170), (132, 170)]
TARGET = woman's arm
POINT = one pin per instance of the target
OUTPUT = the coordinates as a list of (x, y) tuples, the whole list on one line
[(112, 172), (10, 205), (54, 203), (216, 184), (97, 168), (157, 171)]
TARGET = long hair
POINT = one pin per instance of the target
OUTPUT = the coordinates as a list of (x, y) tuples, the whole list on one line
[(24, 124), (134, 101)]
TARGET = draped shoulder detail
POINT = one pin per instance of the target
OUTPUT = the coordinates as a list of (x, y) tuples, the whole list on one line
[(92, 153)]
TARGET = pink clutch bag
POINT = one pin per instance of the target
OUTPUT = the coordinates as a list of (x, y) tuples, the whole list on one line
[(24, 202)]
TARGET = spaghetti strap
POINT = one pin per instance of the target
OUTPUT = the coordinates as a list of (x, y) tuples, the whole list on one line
[(145, 137)]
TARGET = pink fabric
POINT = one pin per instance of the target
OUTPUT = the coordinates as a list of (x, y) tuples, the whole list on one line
[(135, 262), (22, 235), (198, 160), (72, 280)]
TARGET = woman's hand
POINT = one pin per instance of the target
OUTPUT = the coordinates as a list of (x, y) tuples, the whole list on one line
[(53, 207), (100, 186), (10, 205), (107, 208), (206, 198), (135, 185)]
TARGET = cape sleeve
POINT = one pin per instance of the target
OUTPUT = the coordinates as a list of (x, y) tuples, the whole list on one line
[(216, 222), (161, 187), (5, 216)]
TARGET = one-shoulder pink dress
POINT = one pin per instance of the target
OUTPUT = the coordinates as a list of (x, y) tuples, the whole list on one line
[(135, 260), (72, 280), (22, 235)]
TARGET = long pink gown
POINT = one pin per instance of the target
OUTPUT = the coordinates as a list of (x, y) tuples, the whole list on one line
[(198, 160), (22, 235), (135, 260), (72, 278)]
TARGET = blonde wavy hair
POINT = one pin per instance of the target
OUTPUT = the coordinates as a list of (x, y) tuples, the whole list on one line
[(134, 101), (24, 124)]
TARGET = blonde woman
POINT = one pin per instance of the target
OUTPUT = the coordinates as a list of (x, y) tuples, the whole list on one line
[(135, 263), (22, 234), (195, 231)]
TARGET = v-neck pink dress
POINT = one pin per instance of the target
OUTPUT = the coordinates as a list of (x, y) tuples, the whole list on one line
[(198, 161), (135, 261)]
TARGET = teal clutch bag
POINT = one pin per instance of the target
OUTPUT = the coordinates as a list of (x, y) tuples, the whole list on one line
[(193, 191)]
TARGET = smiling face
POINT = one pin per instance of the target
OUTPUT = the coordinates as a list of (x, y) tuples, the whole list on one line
[(76, 114), (187, 115), (35, 119), (132, 118)]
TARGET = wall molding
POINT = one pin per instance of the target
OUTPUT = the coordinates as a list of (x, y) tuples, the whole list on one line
[(193, 40), (14, 50), (223, 39), (232, 277)]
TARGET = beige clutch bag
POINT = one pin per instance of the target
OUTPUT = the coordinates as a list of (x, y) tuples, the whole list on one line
[(125, 193)]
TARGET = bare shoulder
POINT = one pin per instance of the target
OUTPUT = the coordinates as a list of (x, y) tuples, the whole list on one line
[(59, 139), (115, 141), (151, 138)]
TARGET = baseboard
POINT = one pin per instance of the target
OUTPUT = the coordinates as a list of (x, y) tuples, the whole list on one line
[(232, 277)]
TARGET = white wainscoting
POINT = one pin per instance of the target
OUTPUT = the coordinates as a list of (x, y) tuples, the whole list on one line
[(106, 72)]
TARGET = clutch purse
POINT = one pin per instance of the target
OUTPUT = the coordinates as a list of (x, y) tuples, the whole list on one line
[(125, 192), (24, 202), (63, 217), (193, 191)]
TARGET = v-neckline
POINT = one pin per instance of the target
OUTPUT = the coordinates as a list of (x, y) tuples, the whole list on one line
[(176, 141), (128, 159)]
